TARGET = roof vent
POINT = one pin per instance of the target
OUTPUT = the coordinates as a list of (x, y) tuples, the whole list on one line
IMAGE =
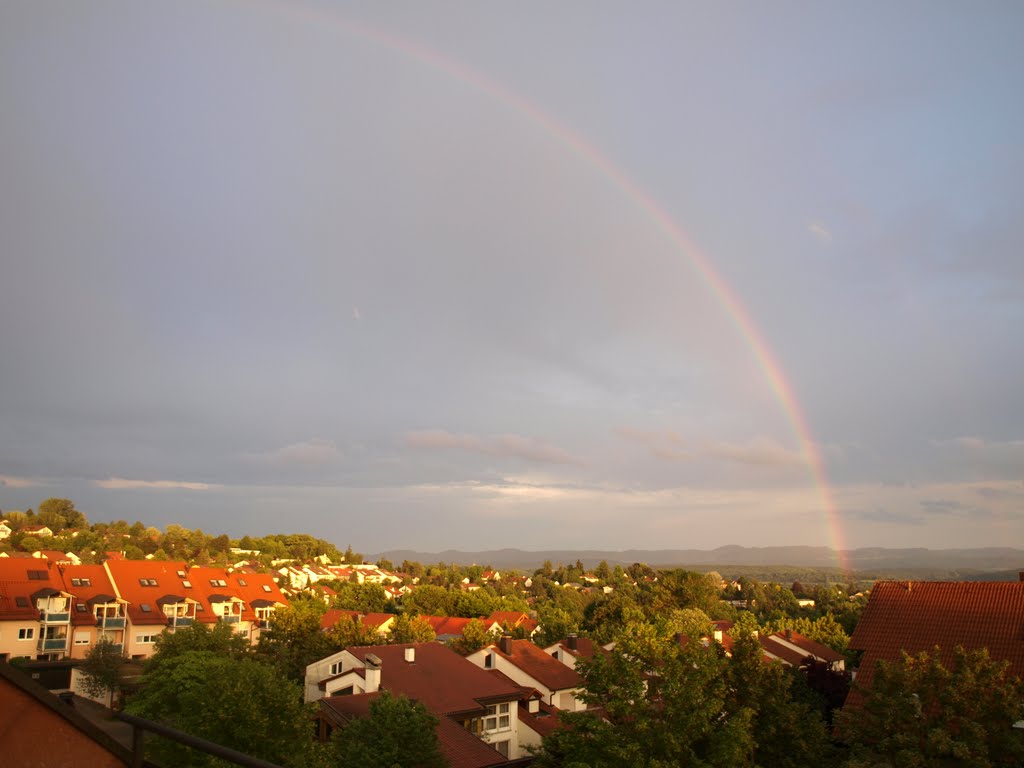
[(410, 655)]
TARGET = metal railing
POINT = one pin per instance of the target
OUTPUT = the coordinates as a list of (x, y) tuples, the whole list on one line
[(140, 725)]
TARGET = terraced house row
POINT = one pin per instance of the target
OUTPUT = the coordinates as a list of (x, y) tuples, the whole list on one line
[(52, 609)]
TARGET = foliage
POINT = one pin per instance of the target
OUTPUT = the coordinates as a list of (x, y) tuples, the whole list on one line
[(398, 733), (787, 731), (825, 630), (350, 631), (412, 629), (428, 600), (474, 637), (365, 598), (219, 638), (101, 669), (664, 705), (918, 713), (237, 702), (59, 514), (295, 640)]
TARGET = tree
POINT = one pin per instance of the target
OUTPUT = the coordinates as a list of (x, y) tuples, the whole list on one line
[(295, 640), (350, 631), (474, 637), (920, 713), (59, 514), (787, 732), (664, 705), (428, 600), (398, 733), (237, 702), (365, 598), (219, 638), (101, 669), (412, 629)]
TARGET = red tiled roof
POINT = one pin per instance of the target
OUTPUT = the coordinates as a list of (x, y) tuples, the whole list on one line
[(15, 583), (98, 586), (125, 575), (545, 669), (585, 648), (543, 722), (444, 681), (918, 615)]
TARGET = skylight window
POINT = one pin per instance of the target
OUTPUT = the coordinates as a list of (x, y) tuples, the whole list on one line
[(76, 582), (37, 575), (146, 608), (181, 574), (186, 583), (80, 607), (266, 588), (152, 582), (242, 583), (21, 602)]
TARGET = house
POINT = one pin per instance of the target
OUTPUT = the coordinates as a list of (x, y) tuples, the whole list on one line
[(573, 648), (5, 529), (512, 620), (915, 616), (35, 616), (58, 557), (478, 711), (39, 531), (793, 649), (378, 622), (96, 611), (527, 665), (451, 627), (167, 595)]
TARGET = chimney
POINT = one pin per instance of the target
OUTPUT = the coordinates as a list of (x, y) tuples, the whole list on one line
[(789, 634), (1022, 575), (410, 655), (573, 640), (505, 644), (373, 665)]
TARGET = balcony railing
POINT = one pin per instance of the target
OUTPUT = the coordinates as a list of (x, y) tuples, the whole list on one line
[(230, 619), (178, 621), (110, 622), (53, 644), (54, 618)]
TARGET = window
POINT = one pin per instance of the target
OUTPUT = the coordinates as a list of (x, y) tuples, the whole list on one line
[(502, 747), (80, 607), (81, 639), (83, 582), (26, 633), (489, 661), (266, 587), (21, 602), (336, 668), (186, 584), (151, 582), (145, 638), (37, 575), (221, 583), (76, 582), (497, 718), (242, 583), (181, 574), (146, 608)]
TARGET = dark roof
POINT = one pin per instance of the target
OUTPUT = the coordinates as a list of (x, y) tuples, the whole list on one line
[(444, 681), (916, 616), (543, 722), (543, 668)]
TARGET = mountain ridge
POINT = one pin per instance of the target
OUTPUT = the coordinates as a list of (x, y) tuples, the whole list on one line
[(865, 558)]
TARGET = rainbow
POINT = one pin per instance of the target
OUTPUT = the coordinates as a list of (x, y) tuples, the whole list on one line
[(728, 299)]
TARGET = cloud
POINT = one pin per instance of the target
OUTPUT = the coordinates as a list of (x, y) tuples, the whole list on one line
[(120, 483), (758, 451), (314, 451), (18, 482), (507, 446), (820, 231)]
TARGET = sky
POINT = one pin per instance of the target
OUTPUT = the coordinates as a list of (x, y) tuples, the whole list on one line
[(540, 275)]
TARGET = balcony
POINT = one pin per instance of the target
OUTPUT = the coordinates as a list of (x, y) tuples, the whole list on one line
[(230, 619), (110, 622), (54, 618), (178, 621), (53, 644)]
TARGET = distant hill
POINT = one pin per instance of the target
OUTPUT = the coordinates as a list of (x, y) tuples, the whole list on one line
[(872, 559)]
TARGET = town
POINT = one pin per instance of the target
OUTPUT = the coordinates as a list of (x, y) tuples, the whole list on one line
[(312, 658)]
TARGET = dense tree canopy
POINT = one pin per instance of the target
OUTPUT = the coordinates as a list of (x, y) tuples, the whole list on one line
[(398, 733)]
